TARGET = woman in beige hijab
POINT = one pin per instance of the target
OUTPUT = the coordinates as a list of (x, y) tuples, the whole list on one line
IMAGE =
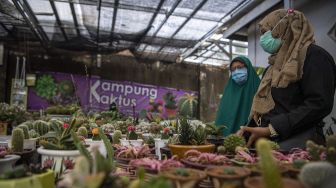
[(298, 87)]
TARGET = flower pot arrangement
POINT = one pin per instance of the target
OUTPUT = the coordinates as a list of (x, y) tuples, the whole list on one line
[(190, 138), (184, 177), (132, 138), (227, 176), (58, 145)]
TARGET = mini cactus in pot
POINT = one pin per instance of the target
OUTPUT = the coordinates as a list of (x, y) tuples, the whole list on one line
[(232, 141), (320, 174), (33, 134), (82, 131), (41, 127), (116, 137), (95, 134), (132, 135), (17, 140)]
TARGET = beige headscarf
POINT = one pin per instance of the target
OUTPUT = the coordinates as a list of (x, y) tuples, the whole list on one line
[(287, 64)]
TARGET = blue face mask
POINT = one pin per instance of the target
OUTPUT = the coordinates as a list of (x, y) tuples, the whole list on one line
[(239, 76), (269, 43)]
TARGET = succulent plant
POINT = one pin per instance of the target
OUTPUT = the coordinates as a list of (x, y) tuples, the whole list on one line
[(221, 150), (132, 135), (116, 137), (188, 105), (25, 130), (41, 127), (95, 134), (46, 87), (17, 140), (150, 140), (214, 130), (270, 171), (30, 124), (199, 136), (33, 134), (82, 131), (320, 174), (186, 132), (232, 141)]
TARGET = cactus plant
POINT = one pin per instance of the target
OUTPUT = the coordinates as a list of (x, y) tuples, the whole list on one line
[(82, 131), (33, 134), (319, 174), (331, 149), (25, 130), (232, 141), (186, 132), (116, 137), (270, 171), (41, 127), (132, 135), (187, 105), (17, 140), (30, 124)]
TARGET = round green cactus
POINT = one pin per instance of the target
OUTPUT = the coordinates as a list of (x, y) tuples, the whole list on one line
[(66, 87), (33, 134), (116, 137), (41, 127), (187, 105), (17, 140), (25, 130), (232, 141), (82, 131), (319, 174)]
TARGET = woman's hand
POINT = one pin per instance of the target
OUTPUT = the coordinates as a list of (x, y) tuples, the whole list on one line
[(256, 133)]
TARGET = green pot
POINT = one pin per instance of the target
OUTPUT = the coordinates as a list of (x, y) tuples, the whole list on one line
[(36, 181)]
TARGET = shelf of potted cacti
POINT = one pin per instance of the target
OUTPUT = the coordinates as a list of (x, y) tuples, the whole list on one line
[(7, 161), (271, 176), (190, 138), (132, 138), (32, 177), (58, 145)]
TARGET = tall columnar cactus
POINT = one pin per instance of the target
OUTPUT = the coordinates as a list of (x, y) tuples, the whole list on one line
[(82, 131), (17, 140), (270, 171), (41, 127), (116, 137), (25, 130), (320, 174)]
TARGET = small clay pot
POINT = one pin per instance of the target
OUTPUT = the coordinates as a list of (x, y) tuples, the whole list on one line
[(220, 178), (190, 181), (257, 182)]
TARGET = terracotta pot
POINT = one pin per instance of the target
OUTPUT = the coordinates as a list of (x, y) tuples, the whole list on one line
[(3, 127), (257, 182), (221, 178), (180, 150), (195, 176)]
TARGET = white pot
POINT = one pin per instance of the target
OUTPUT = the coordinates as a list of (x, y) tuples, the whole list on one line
[(57, 156), (27, 143), (159, 143), (136, 143), (96, 143), (7, 163)]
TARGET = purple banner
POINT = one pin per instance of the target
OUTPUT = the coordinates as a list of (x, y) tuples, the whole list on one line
[(97, 94)]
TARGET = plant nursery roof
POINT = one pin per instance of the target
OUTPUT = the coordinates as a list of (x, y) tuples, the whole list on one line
[(155, 29)]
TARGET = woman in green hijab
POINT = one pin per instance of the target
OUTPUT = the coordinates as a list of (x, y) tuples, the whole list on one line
[(235, 104)]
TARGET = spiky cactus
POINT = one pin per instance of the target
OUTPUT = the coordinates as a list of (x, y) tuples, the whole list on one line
[(186, 132), (17, 140), (41, 127), (132, 135), (320, 174), (33, 134), (30, 124), (25, 130), (187, 105), (232, 141), (82, 131), (270, 171), (116, 137)]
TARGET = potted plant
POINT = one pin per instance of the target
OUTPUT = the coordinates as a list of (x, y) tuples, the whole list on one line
[(190, 138), (162, 142), (96, 141), (32, 177), (271, 176), (58, 145), (184, 177), (96, 171), (132, 138), (215, 133), (227, 176), (7, 161), (17, 146)]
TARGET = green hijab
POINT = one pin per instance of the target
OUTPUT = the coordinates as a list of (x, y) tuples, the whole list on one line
[(235, 104)]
